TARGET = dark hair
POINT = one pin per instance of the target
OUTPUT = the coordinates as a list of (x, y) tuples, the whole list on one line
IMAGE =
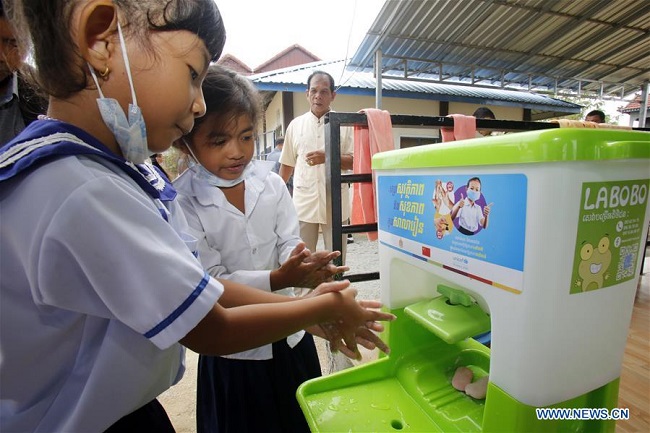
[(44, 25), (474, 178), (228, 95), (598, 113), (484, 113), (279, 141), (313, 74)]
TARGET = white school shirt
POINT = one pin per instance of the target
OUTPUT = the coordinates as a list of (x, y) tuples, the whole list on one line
[(96, 291), (306, 133), (469, 216), (243, 247)]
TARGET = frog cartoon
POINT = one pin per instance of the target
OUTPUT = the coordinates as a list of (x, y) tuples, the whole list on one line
[(594, 265)]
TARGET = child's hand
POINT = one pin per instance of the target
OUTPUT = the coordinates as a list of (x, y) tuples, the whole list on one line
[(300, 252), (305, 269), (325, 258), (354, 321), (461, 202), (365, 334), (441, 224), (487, 209), (364, 337)]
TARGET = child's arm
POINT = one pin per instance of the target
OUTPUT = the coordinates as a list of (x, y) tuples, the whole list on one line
[(459, 204), (448, 200), (273, 317)]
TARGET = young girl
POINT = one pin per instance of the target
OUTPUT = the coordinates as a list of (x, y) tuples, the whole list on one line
[(97, 288), (242, 214)]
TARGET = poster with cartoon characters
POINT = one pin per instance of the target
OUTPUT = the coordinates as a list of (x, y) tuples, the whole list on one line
[(610, 233), (470, 224)]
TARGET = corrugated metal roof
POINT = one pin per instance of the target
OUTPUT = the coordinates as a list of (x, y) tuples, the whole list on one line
[(595, 47), (349, 81)]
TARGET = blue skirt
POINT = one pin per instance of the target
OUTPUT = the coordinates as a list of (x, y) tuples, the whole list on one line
[(239, 396)]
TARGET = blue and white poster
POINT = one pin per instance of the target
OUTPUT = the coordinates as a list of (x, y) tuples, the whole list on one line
[(474, 225)]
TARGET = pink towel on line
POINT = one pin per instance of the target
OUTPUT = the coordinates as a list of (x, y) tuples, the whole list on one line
[(368, 140), (464, 128)]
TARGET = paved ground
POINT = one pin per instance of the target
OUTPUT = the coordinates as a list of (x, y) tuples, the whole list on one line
[(180, 400)]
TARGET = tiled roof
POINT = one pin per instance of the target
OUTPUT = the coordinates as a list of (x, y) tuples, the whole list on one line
[(633, 106)]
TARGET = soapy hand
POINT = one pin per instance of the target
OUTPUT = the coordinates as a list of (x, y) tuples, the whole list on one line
[(345, 339)]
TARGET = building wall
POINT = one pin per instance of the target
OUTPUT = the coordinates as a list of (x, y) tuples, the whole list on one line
[(418, 107), (272, 119)]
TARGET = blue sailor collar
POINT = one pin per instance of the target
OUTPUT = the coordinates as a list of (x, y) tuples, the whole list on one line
[(46, 140)]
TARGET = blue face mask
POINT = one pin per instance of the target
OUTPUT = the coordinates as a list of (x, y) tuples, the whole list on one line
[(473, 195), (131, 133), (209, 177)]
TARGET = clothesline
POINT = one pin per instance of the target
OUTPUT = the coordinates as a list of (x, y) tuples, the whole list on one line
[(349, 119)]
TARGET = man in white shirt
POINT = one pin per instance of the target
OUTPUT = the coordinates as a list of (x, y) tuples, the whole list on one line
[(303, 155)]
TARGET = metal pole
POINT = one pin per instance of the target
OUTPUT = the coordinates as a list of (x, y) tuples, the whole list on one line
[(378, 73), (643, 109), (333, 182)]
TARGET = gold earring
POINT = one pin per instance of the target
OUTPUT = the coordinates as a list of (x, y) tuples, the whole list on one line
[(105, 72)]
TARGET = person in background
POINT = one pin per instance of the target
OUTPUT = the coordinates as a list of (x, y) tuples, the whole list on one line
[(483, 113), (303, 156), (247, 231), (19, 103), (595, 116), (99, 293), (274, 155)]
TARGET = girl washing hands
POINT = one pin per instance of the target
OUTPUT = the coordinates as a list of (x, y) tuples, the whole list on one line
[(242, 214)]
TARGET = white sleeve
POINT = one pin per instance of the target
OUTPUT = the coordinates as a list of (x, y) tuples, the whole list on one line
[(210, 258), (287, 227), (122, 261), (289, 155)]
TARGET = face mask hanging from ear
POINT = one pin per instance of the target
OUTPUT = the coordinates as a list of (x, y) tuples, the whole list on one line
[(210, 178), (130, 134)]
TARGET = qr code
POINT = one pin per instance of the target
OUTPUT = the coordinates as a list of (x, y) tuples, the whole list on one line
[(626, 263)]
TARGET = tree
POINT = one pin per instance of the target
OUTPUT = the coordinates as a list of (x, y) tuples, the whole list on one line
[(588, 104)]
